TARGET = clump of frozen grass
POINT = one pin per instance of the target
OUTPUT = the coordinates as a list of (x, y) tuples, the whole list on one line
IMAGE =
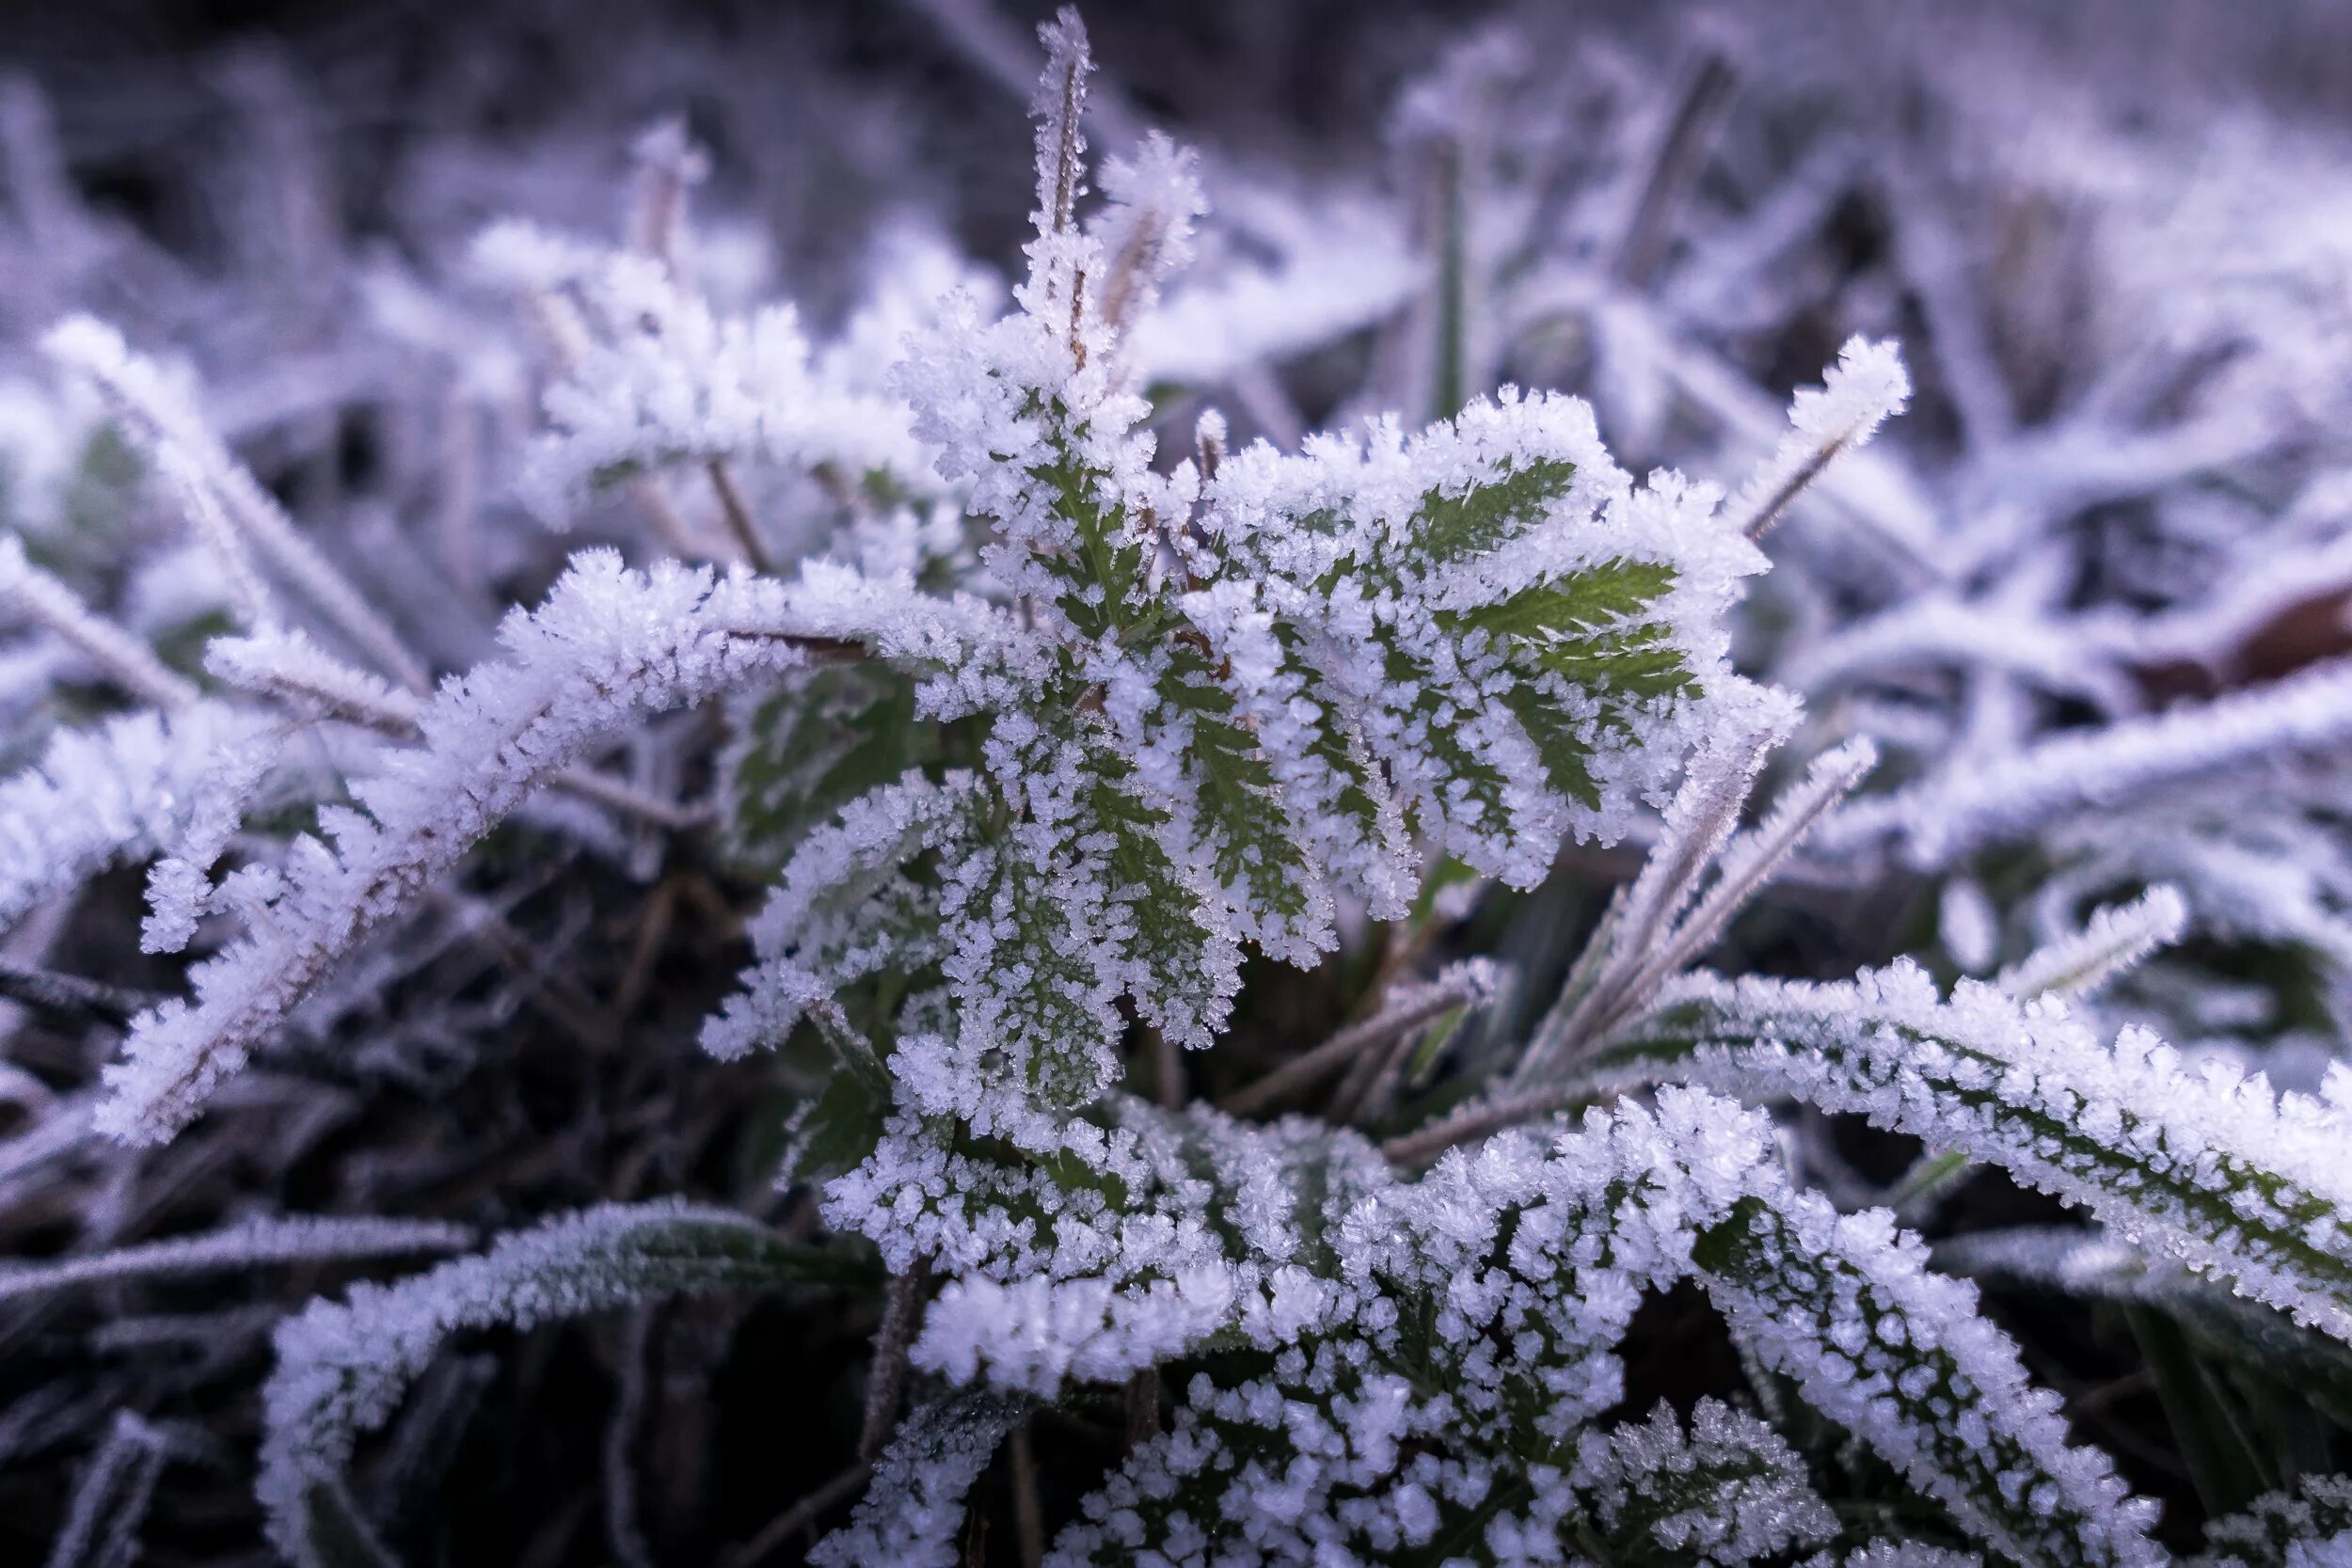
[(1044, 736)]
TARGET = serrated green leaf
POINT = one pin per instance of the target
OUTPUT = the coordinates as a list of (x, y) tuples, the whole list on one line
[(912, 1509), (1038, 977), (834, 1131), (1638, 662), (1608, 593), (1566, 753), (1107, 572), (1482, 517), (812, 746), (1254, 854), (1174, 936), (1724, 1488), (1472, 779)]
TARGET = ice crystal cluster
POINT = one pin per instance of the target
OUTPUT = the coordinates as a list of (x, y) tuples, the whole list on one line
[(1208, 999)]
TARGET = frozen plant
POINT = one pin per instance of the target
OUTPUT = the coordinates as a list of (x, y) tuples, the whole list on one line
[(1062, 733)]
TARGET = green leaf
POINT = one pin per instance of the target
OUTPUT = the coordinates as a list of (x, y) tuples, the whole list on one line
[(813, 745), (834, 1131), (1107, 572), (859, 901), (1639, 663), (1033, 981), (1194, 970), (1588, 599), (912, 1511), (1482, 517), (1209, 1470), (1729, 1490), (2221, 1461), (1255, 856), (1476, 792), (1560, 741), (2255, 1340)]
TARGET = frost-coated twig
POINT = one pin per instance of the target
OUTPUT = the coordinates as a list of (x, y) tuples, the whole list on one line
[(1028, 1516), (737, 515), (286, 666), (1460, 986), (801, 1517), (1365, 1093), (1680, 151), (886, 1375), (669, 166), (72, 995), (1655, 929), (1478, 1121), (1662, 923), (2117, 938), (114, 651), (343, 1365), (1947, 817), (110, 1503), (122, 788), (586, 784), (1865, 386), (162, 421), (256, 1243), (282, 663), (1745, 864)]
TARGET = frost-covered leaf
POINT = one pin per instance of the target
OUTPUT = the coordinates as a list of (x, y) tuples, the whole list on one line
[(2222, 1323), (805, 750), (1865, 386), (1897, 1355), (2117, 938), (119, 790), (115, 653), (1947, 817), (2282, 1529), (1896, 1554), (1438, 1343), (609, 645), (854, 903), (1228, 693), (253, 1244), (344, 1365), (1729, 1490), (913, 1513), (658, 377), (2210, 1168)]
